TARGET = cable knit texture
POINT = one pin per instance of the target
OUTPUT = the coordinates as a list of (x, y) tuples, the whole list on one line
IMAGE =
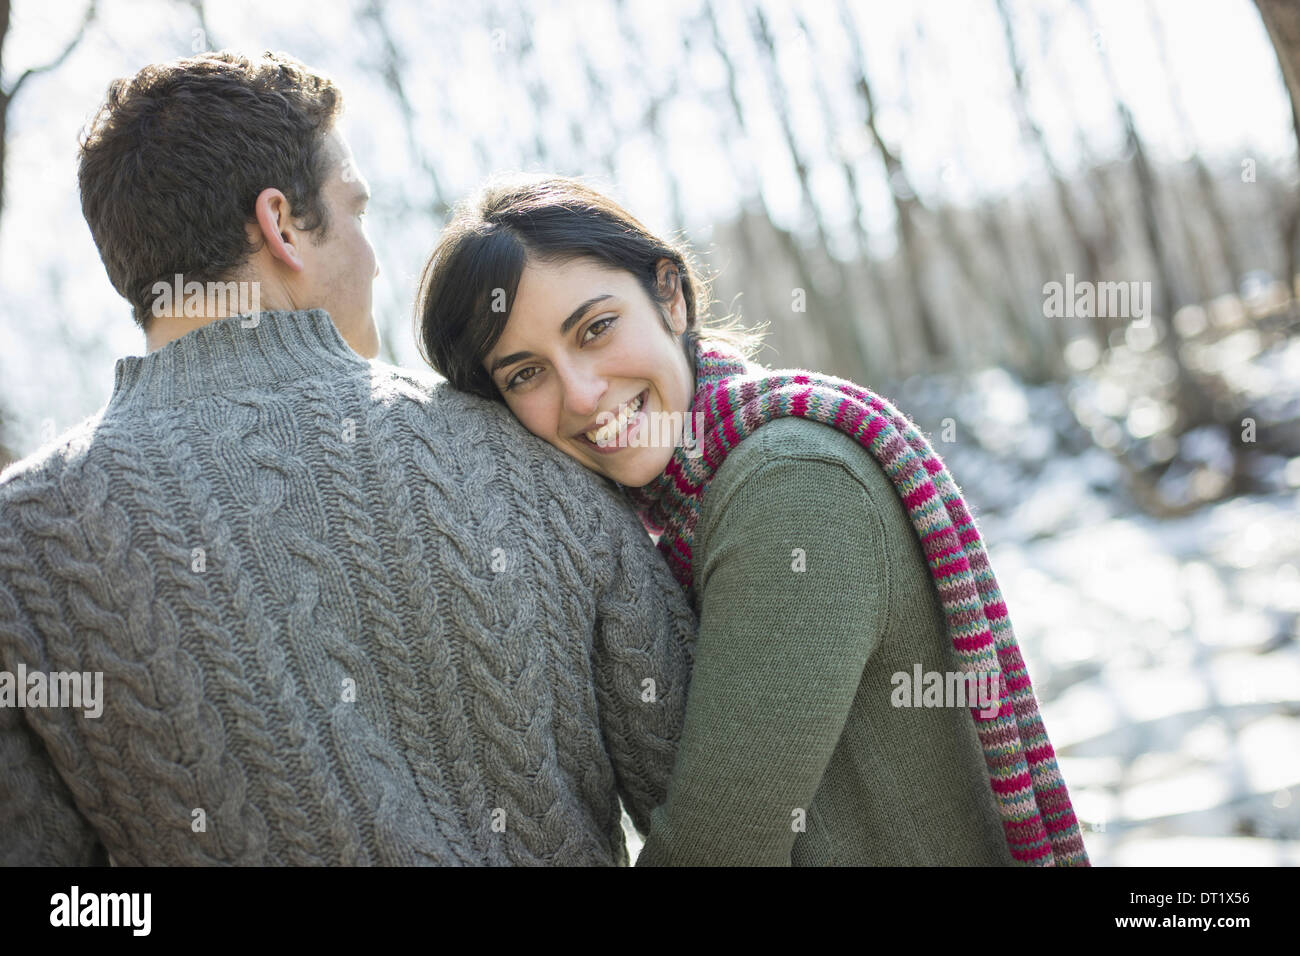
[(344, 615)]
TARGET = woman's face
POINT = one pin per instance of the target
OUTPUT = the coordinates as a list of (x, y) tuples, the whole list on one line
[(587, 363)]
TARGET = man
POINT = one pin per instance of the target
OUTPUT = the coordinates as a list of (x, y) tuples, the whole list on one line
[(342, 614)]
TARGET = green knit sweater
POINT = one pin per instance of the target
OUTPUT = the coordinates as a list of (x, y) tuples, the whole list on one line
[(792, 752)]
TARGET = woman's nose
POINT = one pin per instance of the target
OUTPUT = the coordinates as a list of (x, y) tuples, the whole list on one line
[(583, 391)]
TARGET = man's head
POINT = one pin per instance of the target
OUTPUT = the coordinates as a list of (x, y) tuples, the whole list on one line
[(224, 168)]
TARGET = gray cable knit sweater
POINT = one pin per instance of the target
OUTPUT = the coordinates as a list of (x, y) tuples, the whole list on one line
[(343, 614)]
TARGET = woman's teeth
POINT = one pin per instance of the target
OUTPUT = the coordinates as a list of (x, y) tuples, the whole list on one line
[(605, 433)]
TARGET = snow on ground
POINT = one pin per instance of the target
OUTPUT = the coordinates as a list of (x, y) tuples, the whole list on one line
[(1164, 653), (1165, 658)]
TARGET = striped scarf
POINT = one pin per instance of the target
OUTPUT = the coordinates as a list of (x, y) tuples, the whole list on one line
[(732, 399)]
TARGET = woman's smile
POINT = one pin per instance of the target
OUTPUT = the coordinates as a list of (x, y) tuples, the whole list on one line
[(615, 431)]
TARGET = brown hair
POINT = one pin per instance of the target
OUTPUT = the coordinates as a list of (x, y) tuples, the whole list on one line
[(172, 163), (487, 244)]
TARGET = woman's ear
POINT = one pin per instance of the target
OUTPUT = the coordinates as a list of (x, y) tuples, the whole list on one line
[(670, 280)]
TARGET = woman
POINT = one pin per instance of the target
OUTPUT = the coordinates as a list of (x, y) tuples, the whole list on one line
[(830, 556)]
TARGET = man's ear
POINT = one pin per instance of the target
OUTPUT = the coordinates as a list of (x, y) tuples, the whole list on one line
[(274, 220)]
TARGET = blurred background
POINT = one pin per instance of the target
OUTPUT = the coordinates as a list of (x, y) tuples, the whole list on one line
[(1059, 234)]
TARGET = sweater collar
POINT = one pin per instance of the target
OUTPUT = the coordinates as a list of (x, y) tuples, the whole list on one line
[(231, 353)]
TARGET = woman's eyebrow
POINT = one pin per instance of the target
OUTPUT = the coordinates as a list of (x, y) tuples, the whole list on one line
[(507, 359), (580, 311)]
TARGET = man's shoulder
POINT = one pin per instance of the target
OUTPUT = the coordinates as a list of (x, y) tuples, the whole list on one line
[(474, 419), (51, 459), (397, 384), (583, 510), (422, 381)]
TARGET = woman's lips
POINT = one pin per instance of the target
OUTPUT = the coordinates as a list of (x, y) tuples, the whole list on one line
[(622, 440)]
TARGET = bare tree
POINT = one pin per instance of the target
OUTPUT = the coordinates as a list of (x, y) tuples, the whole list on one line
[(7, 96), (877, 286), (754, 208), (905, 198), (838, 321), (660, 99), (392, 68), (1282, 20), (1033, 133), (1192, 402), (1209, 196), (200, 13)]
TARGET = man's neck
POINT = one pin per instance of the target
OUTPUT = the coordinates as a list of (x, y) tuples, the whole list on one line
[(165, 329), (181, 307)]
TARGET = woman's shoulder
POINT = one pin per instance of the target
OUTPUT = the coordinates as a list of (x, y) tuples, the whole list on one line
[(794, 484), (791, 440), (795, 464)]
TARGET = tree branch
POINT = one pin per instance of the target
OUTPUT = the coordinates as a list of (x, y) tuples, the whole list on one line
[(56, 63)]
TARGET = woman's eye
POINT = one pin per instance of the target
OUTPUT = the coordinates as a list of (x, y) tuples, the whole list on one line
[(519, 378), (601, 324)]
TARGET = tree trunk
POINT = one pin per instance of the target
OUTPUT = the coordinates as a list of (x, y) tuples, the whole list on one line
[(1282, 21)]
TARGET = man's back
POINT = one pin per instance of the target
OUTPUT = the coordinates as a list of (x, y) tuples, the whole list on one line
[(343, 616)]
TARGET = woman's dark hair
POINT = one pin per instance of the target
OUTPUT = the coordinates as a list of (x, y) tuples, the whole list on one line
[(468, 285), (173, 161)]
